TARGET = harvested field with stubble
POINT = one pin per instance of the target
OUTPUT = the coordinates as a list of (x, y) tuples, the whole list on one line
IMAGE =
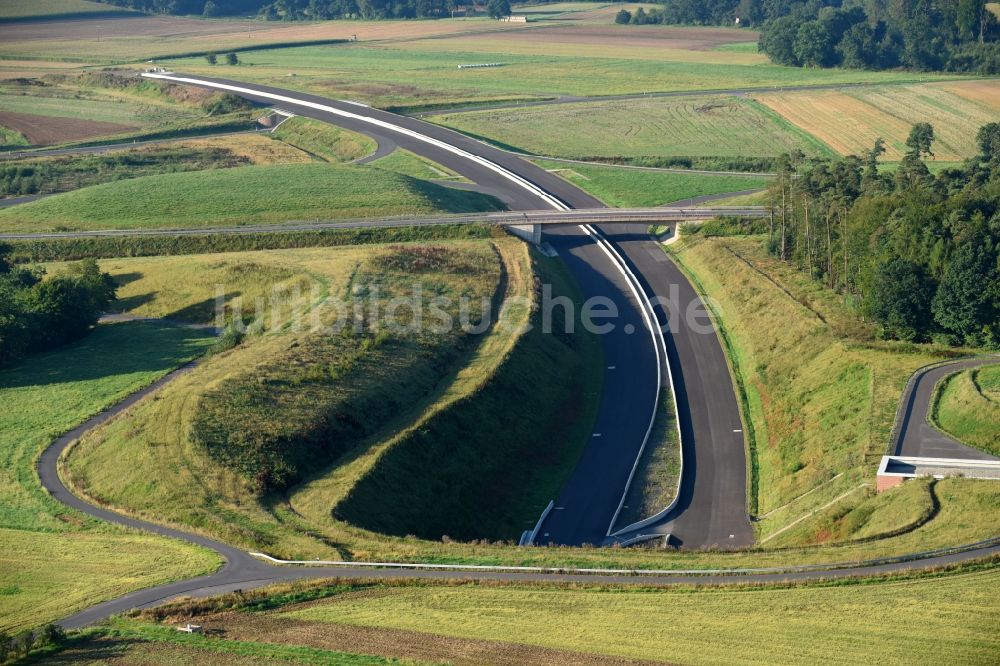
[(850, 120), (137, 36), (419, 646)]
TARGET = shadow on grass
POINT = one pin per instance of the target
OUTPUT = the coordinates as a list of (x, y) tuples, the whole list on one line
[(202, 312), (111, 349)]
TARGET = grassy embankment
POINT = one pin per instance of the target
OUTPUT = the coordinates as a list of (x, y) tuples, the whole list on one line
[(903, 620), (55, 560), (720, 132), (410, 164), (302, 524), (323, 141), (967, 407), (654, 485), (624, 187), (240, 196), (68, 249), (819, 389), (389, 373)]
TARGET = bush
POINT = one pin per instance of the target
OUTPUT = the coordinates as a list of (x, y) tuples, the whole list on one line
[(37, 314)]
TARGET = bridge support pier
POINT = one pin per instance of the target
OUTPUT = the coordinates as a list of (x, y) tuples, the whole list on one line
[(529, 232)]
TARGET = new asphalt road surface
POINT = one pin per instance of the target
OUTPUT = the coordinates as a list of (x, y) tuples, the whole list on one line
[(916, 437)]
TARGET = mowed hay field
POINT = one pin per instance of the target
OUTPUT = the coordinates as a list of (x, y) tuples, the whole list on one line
[(949, 619), (967, 406), (726, 126), (243, 195), (850, 120), (55, 560)]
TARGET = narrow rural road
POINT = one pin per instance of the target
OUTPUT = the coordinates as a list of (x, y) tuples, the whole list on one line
[(243, 571), (916, 437)]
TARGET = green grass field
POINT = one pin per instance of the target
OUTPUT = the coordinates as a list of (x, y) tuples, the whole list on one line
[(425, 73), (919, 619), (967, 406), (715, 126), (623, 187), (410, 164), (241, 196), (55, 560), (953, 618)]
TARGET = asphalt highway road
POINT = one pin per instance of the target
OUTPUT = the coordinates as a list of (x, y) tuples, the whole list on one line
[(577, 99), (592, 495), (706, 391), (711, 508), (916, 436)]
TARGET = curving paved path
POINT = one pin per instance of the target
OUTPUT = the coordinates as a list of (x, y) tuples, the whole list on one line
[(916, 437)]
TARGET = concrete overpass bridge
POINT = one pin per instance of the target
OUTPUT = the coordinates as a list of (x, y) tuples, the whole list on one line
[(526, 224)]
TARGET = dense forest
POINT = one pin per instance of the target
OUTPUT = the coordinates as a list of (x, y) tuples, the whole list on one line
[(37, 314), (925, 35), (918, 253), (313, 9)]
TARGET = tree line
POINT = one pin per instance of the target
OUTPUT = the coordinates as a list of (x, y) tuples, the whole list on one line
[(918, 253), (38, 314), (923, 35), (291, 10)]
